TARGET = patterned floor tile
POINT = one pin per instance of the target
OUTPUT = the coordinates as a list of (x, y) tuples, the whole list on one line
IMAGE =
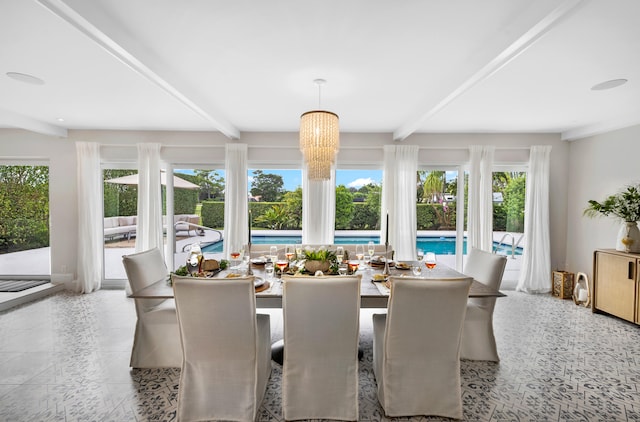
[(65, 358)]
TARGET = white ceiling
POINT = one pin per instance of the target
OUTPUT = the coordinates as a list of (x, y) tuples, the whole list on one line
[(400, 67)]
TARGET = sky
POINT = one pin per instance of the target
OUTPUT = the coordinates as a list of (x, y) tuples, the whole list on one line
[(293, 178)]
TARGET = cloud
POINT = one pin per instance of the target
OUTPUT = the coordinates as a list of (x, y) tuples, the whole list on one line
[(358, 183)]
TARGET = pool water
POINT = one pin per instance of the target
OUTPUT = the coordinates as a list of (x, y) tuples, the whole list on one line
[(441, 245)]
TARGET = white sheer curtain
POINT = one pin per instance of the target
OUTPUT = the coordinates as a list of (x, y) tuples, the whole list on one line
[(480, 207), (536, 262), (90, 222), (387, 200), (403, 237), (399, 178), (236, 205), (318, 209), (149, 231)]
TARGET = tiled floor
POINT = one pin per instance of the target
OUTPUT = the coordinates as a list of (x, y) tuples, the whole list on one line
[(65, 358)]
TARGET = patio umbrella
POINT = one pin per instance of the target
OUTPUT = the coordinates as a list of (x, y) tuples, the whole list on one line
[(132, 179)]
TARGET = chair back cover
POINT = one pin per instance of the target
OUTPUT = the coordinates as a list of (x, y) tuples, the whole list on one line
[(156, 343), (321, 330), (487, 268), (478, 339), (143, 269), (226, 360), (417, 366)]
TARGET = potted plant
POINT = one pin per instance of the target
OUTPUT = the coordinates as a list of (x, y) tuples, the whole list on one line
[(318, 260), (624, 206)]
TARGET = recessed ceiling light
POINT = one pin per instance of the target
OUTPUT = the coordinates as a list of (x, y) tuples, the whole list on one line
[(23, 77), (608, 84), (60, 119)]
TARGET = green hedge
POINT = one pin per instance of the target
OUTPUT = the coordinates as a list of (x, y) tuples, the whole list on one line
[(429, 216), (184, 201), (212, 213)]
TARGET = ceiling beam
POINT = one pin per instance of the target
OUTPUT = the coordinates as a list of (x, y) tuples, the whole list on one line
[(19, 121), (599, 128), (494, 65), (111, 39)]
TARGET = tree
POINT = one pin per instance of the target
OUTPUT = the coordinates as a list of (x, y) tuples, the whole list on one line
[(344, 207), (275, 217), (269, 187), (293, 204), (374, 198), (433, 186), (211, 184), (514, 199)]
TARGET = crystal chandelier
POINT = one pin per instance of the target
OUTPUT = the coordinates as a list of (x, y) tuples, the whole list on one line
[(319, 140)]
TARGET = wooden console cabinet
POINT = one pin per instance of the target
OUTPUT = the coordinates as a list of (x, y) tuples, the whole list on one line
[(616, 281)]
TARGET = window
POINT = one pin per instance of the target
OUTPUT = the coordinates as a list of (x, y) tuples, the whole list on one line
[(508, 211), (275, 199), (358, 196), (24, 220), (120, 204), (436, 214)]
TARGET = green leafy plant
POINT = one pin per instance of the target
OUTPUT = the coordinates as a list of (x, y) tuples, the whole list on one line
[(319, 255), (624, 205), (224, 264)]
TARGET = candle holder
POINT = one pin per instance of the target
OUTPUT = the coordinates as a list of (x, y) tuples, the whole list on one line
[(386, 271), (249, 270)]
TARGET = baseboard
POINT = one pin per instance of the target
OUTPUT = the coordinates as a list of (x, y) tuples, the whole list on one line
[(113, 284)]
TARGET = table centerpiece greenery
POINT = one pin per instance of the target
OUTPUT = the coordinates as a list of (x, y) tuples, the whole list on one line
[(322, 259)]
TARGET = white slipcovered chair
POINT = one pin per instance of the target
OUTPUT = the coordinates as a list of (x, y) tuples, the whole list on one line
[(156, 343), (416, 347), (321, 329), (226, 348), (478, 340)]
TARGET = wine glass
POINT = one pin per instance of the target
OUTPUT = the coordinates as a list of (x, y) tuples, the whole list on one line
[(371, 249), (417, 269), (235, 256), (282, 265), (339, 254), (273, 254), (289, 252), (420, 255), (353, 266), (298, 250), (430, 261), (367, 262), (268, 270), (360, 252)]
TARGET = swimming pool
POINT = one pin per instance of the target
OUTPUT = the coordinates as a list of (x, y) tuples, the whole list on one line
[(441, 245)]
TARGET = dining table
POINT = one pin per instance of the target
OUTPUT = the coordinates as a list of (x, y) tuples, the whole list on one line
[(373, 294)]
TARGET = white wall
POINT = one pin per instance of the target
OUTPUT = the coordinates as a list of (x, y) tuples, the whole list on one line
[(599, 166), (357, 150)]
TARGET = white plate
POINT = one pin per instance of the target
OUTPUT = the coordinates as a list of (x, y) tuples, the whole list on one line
[(258, 281)]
